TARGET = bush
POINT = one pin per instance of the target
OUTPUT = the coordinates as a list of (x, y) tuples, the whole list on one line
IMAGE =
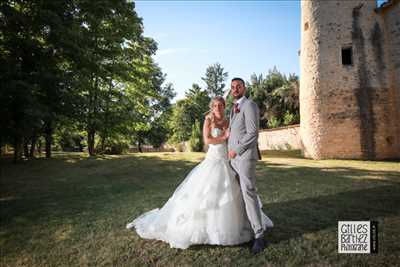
[(290, 118), (273, 122), (118, 149), (196, 138), (70, 142), (179, 147)]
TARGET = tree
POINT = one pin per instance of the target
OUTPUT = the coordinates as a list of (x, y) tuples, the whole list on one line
[(214, 79), (160, 127), (77, 63), (277, 96), (198, 101), (153, 101), (187, 111), (289, 95), (196, 138), (111, 39), (180, 123), (33, 80), (258, 93)]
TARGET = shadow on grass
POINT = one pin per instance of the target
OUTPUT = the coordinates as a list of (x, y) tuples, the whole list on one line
[(282, 154), (306, 199), (286, 170), (68, 185), (295, 218), (316, 198)]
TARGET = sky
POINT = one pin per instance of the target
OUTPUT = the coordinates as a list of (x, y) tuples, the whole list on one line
[(245, 37)]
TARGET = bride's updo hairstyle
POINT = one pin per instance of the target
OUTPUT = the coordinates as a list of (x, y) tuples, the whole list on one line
[(210, 114)]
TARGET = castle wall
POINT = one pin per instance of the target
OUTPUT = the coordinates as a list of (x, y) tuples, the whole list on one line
[(346, 111), (282, 138), (390, 18)]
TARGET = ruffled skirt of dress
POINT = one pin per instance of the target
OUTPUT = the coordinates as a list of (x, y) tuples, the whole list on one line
[(206, 208)]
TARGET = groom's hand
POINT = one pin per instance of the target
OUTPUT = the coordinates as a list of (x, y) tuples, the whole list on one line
[(226, 134), (232, 154)]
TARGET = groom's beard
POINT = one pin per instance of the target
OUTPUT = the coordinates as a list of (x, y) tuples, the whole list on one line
[(237, 97)]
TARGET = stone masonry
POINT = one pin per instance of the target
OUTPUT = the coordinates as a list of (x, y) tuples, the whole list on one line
[(350, 79), (282, 138)]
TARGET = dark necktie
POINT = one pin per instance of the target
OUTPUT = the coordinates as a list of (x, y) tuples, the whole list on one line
[(236, 108)]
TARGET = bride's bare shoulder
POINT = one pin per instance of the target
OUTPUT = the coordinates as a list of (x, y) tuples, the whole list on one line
[(207, 121), (207, 118)]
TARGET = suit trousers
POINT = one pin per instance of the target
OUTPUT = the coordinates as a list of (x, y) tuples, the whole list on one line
[(246, 170)]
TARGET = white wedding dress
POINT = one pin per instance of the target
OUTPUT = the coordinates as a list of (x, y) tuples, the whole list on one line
[(206, 208)]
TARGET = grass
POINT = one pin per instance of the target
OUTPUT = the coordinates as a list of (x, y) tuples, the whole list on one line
[(72, 210)]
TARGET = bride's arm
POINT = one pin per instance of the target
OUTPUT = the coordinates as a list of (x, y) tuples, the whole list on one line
[(207, 137), (226, 125)]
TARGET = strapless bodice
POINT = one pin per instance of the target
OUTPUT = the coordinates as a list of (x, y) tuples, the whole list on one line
[(217, 151), (215, 132)]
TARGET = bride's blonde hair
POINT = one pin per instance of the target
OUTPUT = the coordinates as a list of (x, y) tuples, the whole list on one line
[(210, 114)]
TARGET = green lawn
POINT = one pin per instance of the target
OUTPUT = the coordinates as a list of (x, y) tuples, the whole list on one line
[(72, 210)]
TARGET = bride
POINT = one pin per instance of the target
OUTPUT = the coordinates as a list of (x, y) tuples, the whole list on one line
[(207, 207)]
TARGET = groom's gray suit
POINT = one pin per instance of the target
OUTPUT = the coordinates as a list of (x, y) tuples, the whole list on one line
[(243, 140)]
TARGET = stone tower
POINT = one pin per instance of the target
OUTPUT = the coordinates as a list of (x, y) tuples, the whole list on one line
[(350, 79)]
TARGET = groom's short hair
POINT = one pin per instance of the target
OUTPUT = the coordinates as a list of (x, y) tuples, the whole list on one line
[(238, 79)]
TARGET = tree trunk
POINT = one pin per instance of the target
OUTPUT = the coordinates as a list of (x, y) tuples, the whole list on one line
[(17, 149), (140, 146), (26, 149), (91, 126), (48, 131), (91, 134), (105, 135), (102, 144), (33, 145), (1, 147), (39, 147)]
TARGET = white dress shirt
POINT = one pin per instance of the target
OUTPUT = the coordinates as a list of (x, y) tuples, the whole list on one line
[(239, 101)]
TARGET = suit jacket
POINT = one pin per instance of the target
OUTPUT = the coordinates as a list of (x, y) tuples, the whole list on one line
[(244, 127)]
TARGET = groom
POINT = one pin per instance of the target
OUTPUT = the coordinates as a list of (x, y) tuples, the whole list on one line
[(243, 153)]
